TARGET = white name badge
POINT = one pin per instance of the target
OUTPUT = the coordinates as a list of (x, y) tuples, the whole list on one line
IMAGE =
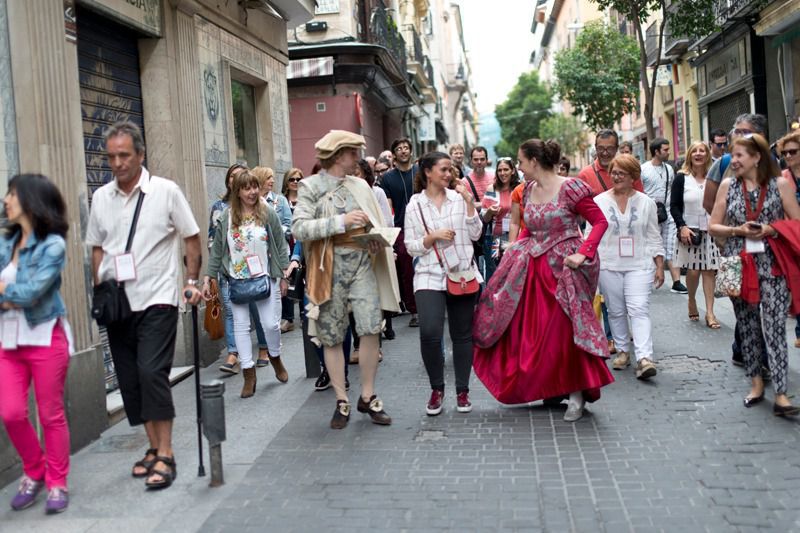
[(451, 258), (626, 246), (754, 246), (254, 265), (506, 223), (10, 333), (125, 267)]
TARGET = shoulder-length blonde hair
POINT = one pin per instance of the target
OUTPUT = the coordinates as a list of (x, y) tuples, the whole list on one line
[(687, 165), (245, 180)]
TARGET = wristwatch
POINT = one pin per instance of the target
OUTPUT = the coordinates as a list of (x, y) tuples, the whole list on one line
[(193, 282)]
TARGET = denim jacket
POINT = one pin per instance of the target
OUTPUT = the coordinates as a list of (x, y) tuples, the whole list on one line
[(38, 276)]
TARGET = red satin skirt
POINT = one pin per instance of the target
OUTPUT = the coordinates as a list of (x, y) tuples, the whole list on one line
[(536, 358)]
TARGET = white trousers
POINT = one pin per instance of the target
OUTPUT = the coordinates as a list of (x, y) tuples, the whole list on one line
[(269, 313), (627, 296)]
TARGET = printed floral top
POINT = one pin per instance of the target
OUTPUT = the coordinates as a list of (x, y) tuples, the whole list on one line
[(248, 239)]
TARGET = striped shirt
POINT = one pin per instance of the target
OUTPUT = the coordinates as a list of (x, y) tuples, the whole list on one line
[(428, 273)]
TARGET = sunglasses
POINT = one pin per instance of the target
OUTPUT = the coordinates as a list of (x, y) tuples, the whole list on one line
[(294, 180), (720, 145), (792, 152)]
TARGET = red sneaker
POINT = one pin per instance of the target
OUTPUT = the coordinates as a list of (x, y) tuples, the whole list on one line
[(463, 405), (434, 406)]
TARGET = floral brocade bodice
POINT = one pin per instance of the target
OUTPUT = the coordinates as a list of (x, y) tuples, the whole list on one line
[(555, 221)]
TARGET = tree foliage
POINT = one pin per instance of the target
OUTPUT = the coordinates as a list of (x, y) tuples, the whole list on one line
[(600, 75), (521, 114), (567, 130)]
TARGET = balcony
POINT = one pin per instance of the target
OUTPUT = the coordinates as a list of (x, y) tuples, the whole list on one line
[(725, 10), (383, 32), (674, 46), (415, 49), (429, 71), (651, 46)]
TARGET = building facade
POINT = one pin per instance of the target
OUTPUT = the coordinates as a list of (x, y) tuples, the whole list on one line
[(205, 80)]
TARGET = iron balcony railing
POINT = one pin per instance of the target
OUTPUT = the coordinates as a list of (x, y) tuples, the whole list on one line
[(384, 32)]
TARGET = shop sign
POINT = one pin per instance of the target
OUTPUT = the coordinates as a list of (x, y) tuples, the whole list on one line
[(725, 68), (144, 15), (678, 134)]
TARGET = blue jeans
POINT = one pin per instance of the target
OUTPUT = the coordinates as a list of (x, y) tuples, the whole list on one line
[(228, 316)]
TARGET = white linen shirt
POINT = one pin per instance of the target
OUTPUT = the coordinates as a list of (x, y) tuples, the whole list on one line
[(428, 273), (655, 180), (165, 217), (639, 221)]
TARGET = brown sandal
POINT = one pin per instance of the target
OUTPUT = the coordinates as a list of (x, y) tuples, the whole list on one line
[(712, 322), (167, 476), (145, 463), (694, 314)]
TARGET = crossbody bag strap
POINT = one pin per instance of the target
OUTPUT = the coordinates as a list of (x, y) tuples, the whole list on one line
[(132, 231), (427, 231), (474, 190), (666, 189), (602, 183)]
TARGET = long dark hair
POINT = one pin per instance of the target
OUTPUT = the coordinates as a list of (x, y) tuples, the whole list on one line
[(40, 201), (231, 169), (366, 172), (498, 185), (426, 162)]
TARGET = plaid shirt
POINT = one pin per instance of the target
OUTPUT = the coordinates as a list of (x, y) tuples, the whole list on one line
[(428, 273)]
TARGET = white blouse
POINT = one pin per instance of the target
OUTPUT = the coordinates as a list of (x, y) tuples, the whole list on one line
[(428, 273), (633, 238)]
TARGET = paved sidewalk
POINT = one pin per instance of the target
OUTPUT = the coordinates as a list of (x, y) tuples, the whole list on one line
[(679, 453)]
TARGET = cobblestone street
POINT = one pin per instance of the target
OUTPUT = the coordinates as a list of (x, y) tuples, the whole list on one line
[(679, 453)]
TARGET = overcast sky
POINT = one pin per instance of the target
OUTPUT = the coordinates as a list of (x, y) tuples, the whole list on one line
[(499, 44)]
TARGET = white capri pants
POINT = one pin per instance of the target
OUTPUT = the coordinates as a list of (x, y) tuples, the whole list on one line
[(627, 296), (269, 313)]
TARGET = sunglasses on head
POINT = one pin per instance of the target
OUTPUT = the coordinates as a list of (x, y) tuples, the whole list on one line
[(791, 152)]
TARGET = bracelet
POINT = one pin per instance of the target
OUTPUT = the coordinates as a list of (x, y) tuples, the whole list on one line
[(733, 232)]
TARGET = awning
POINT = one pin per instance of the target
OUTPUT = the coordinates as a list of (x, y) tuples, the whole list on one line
[(310, 68)]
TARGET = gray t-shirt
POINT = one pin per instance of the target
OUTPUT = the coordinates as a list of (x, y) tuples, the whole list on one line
[(655, 181), (714, 173)]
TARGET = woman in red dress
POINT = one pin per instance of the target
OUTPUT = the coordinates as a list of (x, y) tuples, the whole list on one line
[(535, 332)]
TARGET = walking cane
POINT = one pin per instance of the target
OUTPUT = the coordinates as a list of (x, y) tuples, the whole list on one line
[(201, 471)]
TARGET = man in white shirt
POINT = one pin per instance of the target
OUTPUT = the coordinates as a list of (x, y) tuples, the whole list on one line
[(657, 178), (143, 345)]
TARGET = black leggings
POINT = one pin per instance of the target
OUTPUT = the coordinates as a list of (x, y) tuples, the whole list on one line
[(431, 306)]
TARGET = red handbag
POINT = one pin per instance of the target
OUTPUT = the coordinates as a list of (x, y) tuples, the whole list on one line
[(460, 283)]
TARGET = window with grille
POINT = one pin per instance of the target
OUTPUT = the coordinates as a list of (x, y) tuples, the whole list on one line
[(325, 7)]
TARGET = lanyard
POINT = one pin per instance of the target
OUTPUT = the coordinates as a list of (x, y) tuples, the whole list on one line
[(748, 211)]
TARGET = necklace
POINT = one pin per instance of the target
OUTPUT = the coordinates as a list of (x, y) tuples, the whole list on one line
[(403, 179)]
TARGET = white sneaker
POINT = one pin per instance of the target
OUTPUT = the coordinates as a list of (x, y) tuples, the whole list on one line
[(574, 412)]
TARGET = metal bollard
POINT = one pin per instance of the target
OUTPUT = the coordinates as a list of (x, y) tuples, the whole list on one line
[(212, 397)]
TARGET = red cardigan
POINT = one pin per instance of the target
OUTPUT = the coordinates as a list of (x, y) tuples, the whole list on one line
[(786, 247)]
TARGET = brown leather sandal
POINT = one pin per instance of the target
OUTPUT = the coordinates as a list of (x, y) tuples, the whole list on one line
[(167, 476), (145, 463)]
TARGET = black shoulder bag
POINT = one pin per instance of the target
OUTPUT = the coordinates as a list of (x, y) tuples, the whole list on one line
[(477, 245), (661, 207), (109, 302)]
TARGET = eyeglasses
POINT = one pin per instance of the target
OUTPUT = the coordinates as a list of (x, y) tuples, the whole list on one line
[(606, 149), (618, 174), (294, 180), (743, 131), (791, 152)]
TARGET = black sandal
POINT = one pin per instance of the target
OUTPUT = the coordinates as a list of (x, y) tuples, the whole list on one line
[(167, 476), (144, 463)]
